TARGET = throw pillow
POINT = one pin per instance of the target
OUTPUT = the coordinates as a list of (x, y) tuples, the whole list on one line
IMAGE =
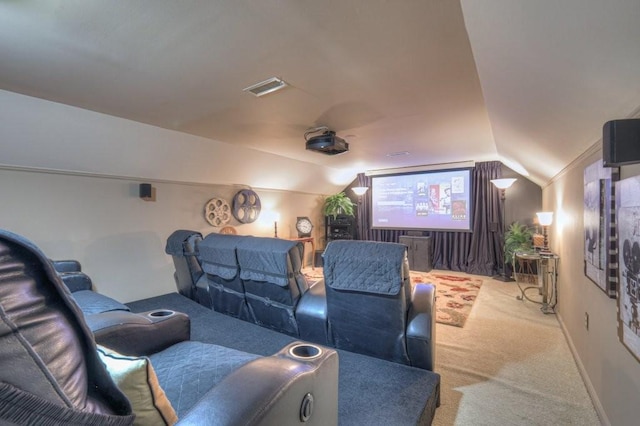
[(138, 381)]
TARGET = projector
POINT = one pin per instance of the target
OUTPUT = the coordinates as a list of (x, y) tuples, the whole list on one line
[(327, 143)]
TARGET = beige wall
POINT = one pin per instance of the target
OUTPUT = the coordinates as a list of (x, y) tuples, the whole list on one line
[(612, 374), (40, 134), (119, 238)]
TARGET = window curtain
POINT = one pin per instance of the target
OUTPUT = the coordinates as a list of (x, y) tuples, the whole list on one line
[(477, 252)]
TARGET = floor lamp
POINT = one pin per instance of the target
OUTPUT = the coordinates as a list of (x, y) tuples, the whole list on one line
[(502, 185)]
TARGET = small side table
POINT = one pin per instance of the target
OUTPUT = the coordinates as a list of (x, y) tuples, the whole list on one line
[(544, 276), (304, 241)]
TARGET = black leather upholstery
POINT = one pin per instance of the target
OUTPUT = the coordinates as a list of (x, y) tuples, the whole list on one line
[(139, 334), (66, 266), (47, 353)]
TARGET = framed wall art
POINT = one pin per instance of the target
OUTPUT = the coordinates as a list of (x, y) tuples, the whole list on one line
[(628, 211), (600, 251)]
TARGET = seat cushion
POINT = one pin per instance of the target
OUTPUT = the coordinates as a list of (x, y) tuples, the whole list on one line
[(136, 378), (187, 370)]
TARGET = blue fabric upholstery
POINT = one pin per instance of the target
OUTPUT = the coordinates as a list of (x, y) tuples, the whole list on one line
[(266, 259), (370, 309), (91, 302), (273, 282), (218, 256), (188, 370), (365, 266)]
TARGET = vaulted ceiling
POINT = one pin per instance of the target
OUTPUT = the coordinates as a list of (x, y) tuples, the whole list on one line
[(406, 83)]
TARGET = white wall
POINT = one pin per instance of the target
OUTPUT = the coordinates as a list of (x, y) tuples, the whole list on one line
[(119, 238), (612, 374)]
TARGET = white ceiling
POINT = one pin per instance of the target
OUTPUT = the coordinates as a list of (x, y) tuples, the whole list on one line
[(527, 82)]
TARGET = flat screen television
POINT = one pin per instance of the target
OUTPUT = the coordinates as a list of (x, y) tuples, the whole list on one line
[(435, 200)]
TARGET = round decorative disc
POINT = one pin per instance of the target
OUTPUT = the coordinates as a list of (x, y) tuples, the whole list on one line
[(217, 212), (246, 206)]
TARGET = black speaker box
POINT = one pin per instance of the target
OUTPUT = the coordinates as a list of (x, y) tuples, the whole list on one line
[(621, 142), (146, 192)]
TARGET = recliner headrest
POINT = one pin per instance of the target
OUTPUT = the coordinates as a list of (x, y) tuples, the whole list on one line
[(364, 266), (266, 259), (175, 243)]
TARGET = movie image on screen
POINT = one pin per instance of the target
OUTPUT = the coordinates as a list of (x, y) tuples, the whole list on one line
[(429, 200)]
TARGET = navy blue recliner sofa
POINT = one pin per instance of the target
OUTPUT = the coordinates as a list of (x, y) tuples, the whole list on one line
[(50, 372), (365, 304)]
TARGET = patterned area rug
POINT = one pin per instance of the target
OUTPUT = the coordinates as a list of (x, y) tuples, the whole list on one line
[(455, 294)]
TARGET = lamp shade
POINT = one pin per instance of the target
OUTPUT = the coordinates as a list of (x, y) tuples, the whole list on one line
[(503, 183), (545, 218), (360, 190)]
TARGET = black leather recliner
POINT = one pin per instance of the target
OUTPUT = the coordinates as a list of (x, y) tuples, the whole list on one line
[(371, 307), (50, 372)]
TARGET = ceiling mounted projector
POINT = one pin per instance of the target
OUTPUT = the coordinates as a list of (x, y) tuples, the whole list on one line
[(326, 143)]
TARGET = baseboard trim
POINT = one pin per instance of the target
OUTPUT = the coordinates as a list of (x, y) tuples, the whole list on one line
[(604, 420)]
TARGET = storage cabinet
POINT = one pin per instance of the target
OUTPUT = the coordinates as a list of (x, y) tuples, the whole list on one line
[(419, 252)]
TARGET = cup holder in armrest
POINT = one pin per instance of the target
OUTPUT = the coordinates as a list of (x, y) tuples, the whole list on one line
[(161, 313), (305, 351)]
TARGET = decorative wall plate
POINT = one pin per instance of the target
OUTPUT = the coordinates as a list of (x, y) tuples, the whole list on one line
[(246, 206), (217, 212)]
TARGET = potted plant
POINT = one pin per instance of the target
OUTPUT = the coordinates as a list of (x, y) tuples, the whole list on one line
[(338, 204), (517, 239)]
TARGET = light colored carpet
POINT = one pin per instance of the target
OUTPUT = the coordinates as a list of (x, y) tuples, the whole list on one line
[(509, 365)]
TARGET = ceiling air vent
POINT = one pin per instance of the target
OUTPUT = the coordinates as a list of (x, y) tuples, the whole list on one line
[(266, 87)]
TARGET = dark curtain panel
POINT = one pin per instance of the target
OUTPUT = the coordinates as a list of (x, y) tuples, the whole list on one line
[(477, 252)]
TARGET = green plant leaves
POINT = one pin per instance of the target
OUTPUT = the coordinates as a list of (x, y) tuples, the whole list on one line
[(518, 238), (338, 204)]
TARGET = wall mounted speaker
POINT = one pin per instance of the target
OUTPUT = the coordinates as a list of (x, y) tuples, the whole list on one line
[(146, 192), (621, 142)]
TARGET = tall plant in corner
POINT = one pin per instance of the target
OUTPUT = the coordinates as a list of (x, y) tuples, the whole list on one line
[(338, 204)]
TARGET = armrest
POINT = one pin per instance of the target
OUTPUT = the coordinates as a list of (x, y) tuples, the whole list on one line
[(311, 314), (62, 266), (421, 327), (139, 334), (76, 281), (299, 384)]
